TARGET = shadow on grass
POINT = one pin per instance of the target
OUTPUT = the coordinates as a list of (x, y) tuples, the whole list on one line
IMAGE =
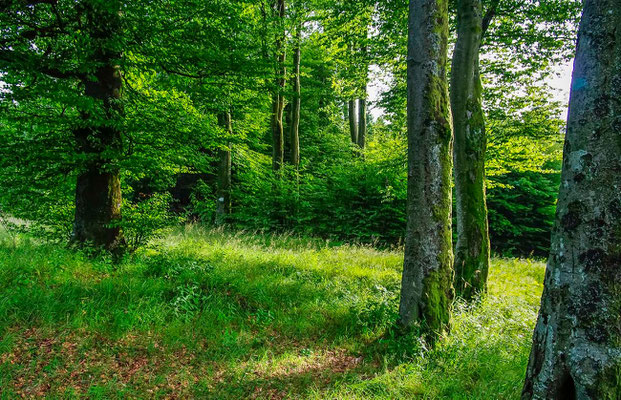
[(228, 311), (231, 321)]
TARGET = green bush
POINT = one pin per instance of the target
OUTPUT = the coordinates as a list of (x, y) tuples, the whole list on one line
[(146, 219)]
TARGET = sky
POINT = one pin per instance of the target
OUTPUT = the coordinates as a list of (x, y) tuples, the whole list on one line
[(561, 83)]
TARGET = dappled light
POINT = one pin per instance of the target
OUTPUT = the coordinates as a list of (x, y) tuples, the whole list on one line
[(246, 315)]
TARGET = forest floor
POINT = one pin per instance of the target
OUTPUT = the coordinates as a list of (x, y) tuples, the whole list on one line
[(207, 314)]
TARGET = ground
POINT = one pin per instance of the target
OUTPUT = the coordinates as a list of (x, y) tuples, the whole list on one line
[(209, 314)]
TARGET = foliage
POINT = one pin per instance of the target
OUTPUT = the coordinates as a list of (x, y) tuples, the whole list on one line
[(522, 212), (146, 219), (347, 197), (184, 63)]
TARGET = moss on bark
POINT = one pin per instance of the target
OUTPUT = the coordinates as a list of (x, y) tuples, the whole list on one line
[(427, 292), (472, 250)]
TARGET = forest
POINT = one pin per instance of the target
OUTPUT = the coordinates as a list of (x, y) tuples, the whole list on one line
[(344, 199)]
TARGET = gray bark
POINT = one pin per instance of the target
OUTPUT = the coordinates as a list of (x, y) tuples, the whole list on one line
[(427, 289), (473, 249), (576, 350)]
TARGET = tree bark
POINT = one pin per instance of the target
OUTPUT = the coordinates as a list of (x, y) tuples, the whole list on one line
[(278, 102), (353, 127), (98, 188), (362, 102), (295, 106), (362, 119), (576, 350), (223, 194), (427, 288), (473, 249)]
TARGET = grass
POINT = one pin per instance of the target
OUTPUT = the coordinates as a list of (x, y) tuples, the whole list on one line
[(207, 314)]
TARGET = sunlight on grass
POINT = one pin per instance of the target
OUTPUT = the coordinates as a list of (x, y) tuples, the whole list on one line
[(205, 313)]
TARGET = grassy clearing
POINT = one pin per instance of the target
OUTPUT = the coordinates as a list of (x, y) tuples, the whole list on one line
[(213, 315)]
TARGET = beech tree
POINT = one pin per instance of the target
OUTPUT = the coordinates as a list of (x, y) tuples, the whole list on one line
[(34, 51), (278, 100), (362, 101), (576, 351), (526, 50), (296, 100), (353, 123), (223, 193), (427, 288), (472, 250)]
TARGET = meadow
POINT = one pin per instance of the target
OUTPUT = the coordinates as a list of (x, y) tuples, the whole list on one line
[(203, 313)]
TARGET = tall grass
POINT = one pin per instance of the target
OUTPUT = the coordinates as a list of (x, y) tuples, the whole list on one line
[(210, 314)]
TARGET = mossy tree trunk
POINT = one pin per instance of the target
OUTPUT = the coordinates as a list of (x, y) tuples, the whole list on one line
[(576, 350), (473, 249), (427, 282), (223, 193), (295, 104), (98, 188), (278, 100)]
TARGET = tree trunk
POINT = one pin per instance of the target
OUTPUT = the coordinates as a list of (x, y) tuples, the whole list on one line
[(473, 249), (576, 350), (362, 120), (362, 105), (223, 194), (295, 106), (278, 102), (353, 127), (427, 287), (98, 188)]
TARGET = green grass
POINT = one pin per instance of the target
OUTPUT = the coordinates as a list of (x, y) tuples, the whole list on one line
[(208, 314)]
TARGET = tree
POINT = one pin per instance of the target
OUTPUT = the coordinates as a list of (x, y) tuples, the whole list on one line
[(223, 193), (576, 351), (362, 101), (427, 289), (516, 62), (362, 118), (34, 50), (98, 188), (295, 103), (353, 125), (278, 102), (472, 250)]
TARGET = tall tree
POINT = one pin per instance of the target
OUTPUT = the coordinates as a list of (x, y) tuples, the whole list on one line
[(223, 193), (98, 187), (295, 103), (472, 249), (353, 124), (362, 118), (576, 351), (39, 51), (362, 101), (278, 101), (427, 287)]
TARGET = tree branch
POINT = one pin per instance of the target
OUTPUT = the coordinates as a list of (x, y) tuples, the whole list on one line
[(489, 15), (9, 56)]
